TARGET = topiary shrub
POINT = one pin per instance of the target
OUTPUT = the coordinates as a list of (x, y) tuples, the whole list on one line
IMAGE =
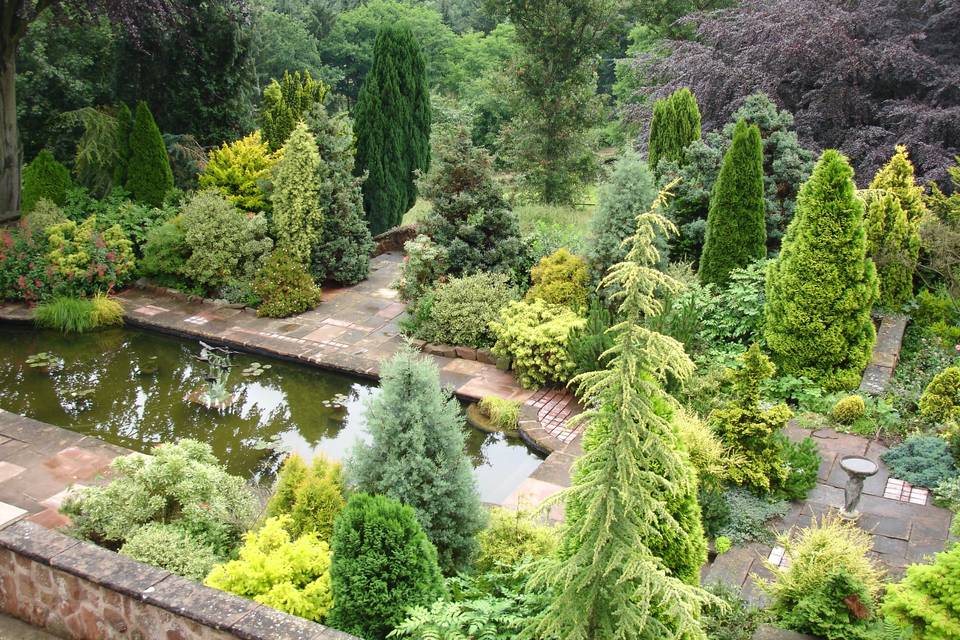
[(503, 414), (424, 263), (172, 547), (311, 497), (239, 171), (44, 178), (288, 574), (284, 287), (461, 310), (82, 260), (940, 401), (831, 585), (511, 538), (923, 461), (927, 599), (561, 279), (149, 176), (45, 214), (376, 537), (848, 409), (534, 336)]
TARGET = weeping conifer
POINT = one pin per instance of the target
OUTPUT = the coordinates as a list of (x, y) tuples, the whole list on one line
[(736, 224), (392, 126), (632, 542)]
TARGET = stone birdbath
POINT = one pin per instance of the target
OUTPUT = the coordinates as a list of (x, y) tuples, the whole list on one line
[(858, 469)]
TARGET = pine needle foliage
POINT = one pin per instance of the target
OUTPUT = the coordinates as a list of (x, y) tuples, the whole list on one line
[(675, 124), (149, 176), (239, 170), (297, 216), (736, 225), (392, 127), (608, 581)]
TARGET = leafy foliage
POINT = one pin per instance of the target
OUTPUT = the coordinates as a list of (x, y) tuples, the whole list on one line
[(82, 260), (417, 456), (311, 497), (423, 265), (284, 286), (149, 176), (534, 336), (940, 234), (560, 279), (923, 461), (239, 170), (43, 178), (45, 214), (461, 310), (376, 536), (941, 399), (736, 231), (288, 574), (821, 288), (23, 269), (172, 547), (285, 104), (674, 125), (297, 222), (749, 515), (927, 600)]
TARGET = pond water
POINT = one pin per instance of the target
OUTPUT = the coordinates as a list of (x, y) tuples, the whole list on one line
[(100, 384)]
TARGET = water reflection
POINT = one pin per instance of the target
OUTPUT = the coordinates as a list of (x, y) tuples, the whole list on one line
[(103, 387)]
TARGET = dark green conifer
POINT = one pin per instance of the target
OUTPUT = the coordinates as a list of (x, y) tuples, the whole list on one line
[(124, 129), (736, 227), (46, 178), (149, 176), (286, 103), (392, 127), (821, 288), (675, 124)]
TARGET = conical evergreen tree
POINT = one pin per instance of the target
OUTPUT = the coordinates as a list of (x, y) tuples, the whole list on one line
[(897, 177), (297, 216), (417, 456), (286, 103), (149, 176), (392, 117), (736, 223), (124, 129), (675, 124), (821, 288), (43, 178), (632, 543)]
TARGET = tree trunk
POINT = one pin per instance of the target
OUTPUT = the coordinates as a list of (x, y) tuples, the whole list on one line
[(9, 142)]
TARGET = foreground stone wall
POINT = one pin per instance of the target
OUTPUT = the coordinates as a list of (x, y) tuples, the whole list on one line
[(82, 592)]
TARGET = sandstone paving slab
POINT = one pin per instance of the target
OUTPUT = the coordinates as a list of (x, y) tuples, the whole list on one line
[(9, 470), (10, 513)]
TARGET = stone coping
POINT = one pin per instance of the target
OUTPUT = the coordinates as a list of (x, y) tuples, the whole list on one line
[(886, 353), (210, 608)]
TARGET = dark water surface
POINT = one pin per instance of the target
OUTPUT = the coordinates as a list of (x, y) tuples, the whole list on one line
[(96, 387)]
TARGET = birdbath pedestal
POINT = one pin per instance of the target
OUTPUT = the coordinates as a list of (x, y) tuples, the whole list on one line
[(858, 469)]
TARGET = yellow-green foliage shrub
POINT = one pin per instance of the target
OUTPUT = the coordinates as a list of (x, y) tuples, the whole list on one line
[(503, 414), (828, 564), (928, 598), (513, 537), (940, 401), (83, 260), (534, 335), (45, 214), (239, 170), (312, 496), (560, 278), (106, 311), (280, 572), (848, 409), (707, 453), (284, 286)]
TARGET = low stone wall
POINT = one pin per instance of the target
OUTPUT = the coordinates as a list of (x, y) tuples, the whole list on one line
[(394, 239), (79, 591), (886, 354)]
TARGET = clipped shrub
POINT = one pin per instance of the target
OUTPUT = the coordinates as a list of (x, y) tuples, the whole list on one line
[(561, 279), (461, 310), (44, 178), (923, 461), (376, 536), (310, 497), (297, 217), (284, 286), (149, 176), (848, 409), (239, 170), (69, 315), (926, 600), (822, 286), (534, 336), (170, 547), (503, 414), (225, 244), (587, 345), (288, 574), (511, 538), (831, 585), (801, 460), (82, 260), (424, 263), (940, 401), (45, 214)]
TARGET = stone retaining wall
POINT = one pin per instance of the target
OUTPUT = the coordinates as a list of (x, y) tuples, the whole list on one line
[(79, 591), (886, 354)]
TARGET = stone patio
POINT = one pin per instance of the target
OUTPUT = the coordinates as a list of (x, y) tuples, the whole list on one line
[(904, 531)]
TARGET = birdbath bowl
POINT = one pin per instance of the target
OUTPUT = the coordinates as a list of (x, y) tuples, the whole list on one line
[(858, 469)]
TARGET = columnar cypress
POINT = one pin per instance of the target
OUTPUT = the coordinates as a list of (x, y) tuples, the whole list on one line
[(46, 178), (297, 216), (736, 224), (149, 176), (392, 117), (632, 543), (821, 288), (675, 124), (417, 456)]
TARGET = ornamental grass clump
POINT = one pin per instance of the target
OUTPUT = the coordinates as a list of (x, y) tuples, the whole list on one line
[(503, 414), (69, 315)]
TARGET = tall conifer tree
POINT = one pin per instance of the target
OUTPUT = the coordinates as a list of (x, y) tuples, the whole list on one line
[(392, 118), (149, 176), (821, 288), (675, 124), (297, 216), (632, 543), (124, 129), (286, 103), (736, 224)]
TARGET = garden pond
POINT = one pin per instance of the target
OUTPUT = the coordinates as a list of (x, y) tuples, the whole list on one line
[(129, 388)]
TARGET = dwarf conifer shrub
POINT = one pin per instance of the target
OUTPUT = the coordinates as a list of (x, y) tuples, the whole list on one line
[(511, 538), (297, 216), (587, 345), (927, 600), (821, 288), (45, 214), (940, 401), (149, 176), (461, 310), (43, 178), (425, 262), (561, 279), (376, 536), (924, 461), (848, 409), (312, 496), (284, 286), (675, 124), (285, 103), (239, 171)]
